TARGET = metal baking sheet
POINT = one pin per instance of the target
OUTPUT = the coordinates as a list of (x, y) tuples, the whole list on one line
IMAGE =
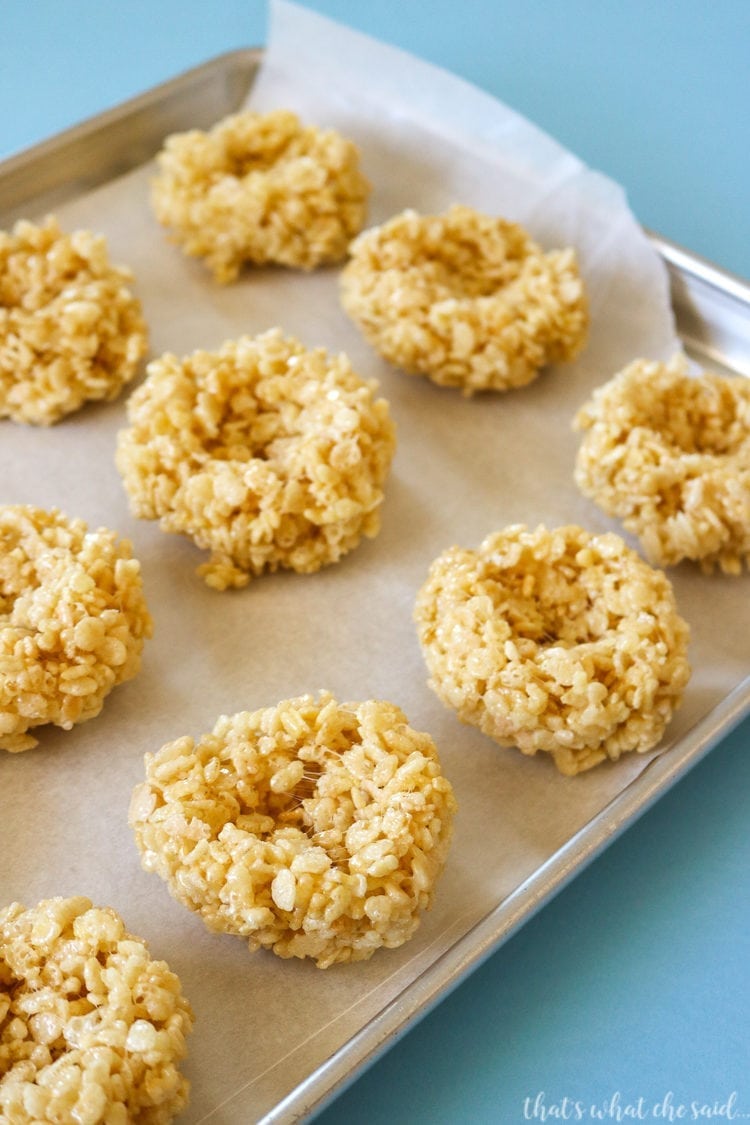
[(712, 312)]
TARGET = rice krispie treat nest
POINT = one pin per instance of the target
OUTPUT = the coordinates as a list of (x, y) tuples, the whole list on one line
[(265, 453), (73, 619), (312, 828), (669, 454), (467, 299), (91, 1029), (71, 331), (559, 641), (260, 188)]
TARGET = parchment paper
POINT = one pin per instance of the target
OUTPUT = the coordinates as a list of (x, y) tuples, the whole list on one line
[(463, 468)]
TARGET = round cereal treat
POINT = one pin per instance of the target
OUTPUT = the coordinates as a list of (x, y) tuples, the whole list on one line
[(71, 331), (265, 453), (72, 620), (559, 641), (260, 188), (313, 828), (669, 454), (91, 1029), (467, 299)]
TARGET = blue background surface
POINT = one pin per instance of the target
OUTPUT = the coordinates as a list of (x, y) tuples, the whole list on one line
[(634, 983)]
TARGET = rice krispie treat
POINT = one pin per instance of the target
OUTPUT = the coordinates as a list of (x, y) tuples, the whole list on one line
[(313, 828), (71, 330), (466, 299), (265, 453), (260, 188), (91, 1028), (559, 641), (73, 619), (669, 454)]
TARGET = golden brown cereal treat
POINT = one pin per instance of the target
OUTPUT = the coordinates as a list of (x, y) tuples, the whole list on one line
[(72, 620), (70, 329), (260, 188), (466, 299), (312, 828), (669, 454), (558, 641), (91, 1029), (265, 453)]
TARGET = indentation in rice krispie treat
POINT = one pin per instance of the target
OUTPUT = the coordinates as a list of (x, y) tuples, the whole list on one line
[(91, 1028), (559, 641), (73, 619), (265, 453), (260, 188), (71, 331), (312, 828), (467, 299), (669, 454)]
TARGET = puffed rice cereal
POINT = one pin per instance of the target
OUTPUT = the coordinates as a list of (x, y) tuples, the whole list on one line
[(91, 1029), (466, 299), (669, 454), (312, 828), (71, 330), (265, 453), (260, 188), (72, 620), (559, 641)]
